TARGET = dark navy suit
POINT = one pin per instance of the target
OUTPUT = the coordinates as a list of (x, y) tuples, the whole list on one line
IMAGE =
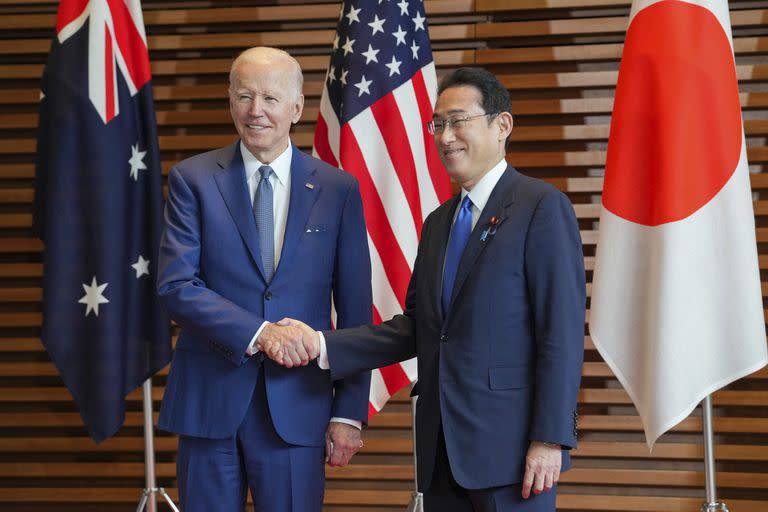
[(211, 281), (502, 366)]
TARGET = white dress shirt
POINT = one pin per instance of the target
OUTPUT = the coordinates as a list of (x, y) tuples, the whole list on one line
[(280, 180), (478, 196), (482, 191)]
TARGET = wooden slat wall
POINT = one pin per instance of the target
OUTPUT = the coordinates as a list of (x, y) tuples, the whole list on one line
[(559, 58)]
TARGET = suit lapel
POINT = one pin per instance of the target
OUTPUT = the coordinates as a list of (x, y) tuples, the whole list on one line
[(234, 189), (302, 199), (501, 197), (437, 248)]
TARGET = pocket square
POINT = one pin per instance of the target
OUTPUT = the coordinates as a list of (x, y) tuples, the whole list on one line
[(319, 228)]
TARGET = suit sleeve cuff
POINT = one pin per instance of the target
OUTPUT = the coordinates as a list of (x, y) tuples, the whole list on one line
[(354, 423), (322, 359), (252, 349)]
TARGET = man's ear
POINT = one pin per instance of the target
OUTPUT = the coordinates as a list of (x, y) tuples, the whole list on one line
[(505, 125), (299, 109)]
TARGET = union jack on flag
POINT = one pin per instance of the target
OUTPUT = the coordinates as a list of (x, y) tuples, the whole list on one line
[(98, 208), (116, 38), (379, 94)]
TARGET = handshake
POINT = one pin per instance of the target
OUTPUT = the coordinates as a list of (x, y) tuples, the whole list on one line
[(289, 342)]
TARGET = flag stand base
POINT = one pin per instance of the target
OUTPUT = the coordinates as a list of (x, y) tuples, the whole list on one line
[(417, 503), (714, 507), (151, 490), (148, 496)]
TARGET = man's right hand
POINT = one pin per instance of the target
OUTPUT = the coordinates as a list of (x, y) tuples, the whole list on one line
[(289, 342)]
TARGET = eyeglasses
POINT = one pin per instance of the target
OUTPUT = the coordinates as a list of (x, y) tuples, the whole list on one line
[(437, 126)]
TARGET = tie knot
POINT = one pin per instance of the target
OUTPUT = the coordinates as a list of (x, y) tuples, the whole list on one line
[(266, 172), (466, 203)]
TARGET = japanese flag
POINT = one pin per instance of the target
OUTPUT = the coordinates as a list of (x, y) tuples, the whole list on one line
[(677, 307)]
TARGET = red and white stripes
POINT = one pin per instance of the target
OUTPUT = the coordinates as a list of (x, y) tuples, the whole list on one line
[(387, 147)]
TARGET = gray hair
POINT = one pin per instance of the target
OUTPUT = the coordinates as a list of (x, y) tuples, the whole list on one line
[(268, 54)]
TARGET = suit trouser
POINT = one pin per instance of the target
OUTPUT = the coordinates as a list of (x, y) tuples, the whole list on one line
[(215, 474), (445, 494)]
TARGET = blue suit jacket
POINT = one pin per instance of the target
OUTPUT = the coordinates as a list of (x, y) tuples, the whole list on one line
[(502, 367), (211, 282)]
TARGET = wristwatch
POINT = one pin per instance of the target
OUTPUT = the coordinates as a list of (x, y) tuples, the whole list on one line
[(552, 445)]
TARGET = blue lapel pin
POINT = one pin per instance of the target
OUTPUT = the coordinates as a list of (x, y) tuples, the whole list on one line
[(491, 229)]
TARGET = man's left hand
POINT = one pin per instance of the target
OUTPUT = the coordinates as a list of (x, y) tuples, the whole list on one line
[(342, 441), (542, 468)]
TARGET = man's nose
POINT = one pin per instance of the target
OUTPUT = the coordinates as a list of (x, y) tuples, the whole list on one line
[(256, 107), (446, 136)]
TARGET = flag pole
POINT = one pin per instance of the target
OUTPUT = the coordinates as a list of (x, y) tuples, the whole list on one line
[(148, 500), (711, 504), (417, 498)]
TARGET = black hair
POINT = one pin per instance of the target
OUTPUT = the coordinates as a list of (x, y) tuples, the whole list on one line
[(495, 95)]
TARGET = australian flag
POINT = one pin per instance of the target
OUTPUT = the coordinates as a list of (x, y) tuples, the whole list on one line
[(98, 208)]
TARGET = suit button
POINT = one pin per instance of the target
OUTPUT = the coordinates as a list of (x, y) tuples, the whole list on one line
[(268, 296), (444, 338)]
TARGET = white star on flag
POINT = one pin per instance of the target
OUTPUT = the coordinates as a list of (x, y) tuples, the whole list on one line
[(400, 36), (331, 74), (363, 86), (415, 50), (93, 296), (141, 266), (418, 22), (352, 15), (336, 42), (377, 25), (136, 161), (348, 46), (370, 55), (392, 98), (343, 77), (394, 66)]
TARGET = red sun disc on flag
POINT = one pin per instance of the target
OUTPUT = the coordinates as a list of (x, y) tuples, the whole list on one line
[(676, 133)]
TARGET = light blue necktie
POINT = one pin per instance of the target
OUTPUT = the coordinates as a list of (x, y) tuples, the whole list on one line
[(460, 232), (265, 221)]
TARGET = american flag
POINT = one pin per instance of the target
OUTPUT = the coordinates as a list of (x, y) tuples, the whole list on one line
[(379, 93), (98, 207)]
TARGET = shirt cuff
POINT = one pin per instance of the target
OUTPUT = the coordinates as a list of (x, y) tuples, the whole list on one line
[(322, 359), (354, 423), (252, 349)]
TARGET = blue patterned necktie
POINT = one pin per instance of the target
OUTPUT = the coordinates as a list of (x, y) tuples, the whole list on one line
[(460, 232), (265, 221)]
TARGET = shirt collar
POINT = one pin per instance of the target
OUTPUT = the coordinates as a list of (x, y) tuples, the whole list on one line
[(280, 165), (482, 190)]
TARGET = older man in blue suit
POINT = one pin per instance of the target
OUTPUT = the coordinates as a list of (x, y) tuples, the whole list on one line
[(494, 311), (255, 232)]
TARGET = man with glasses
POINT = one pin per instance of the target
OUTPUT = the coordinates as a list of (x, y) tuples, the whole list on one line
[(495, 312)]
